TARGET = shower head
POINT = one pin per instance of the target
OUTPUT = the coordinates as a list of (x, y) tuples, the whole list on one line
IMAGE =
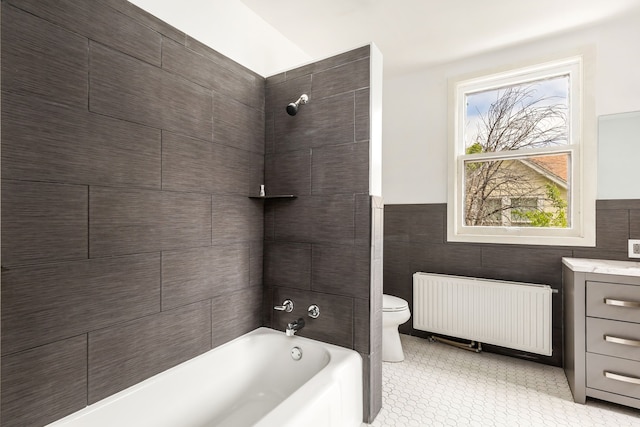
[(292, 108)]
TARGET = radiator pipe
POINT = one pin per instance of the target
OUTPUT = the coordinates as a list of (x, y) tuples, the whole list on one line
[(472, 346)]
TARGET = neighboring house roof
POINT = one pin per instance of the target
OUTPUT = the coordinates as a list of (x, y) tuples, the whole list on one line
[(553, 167)]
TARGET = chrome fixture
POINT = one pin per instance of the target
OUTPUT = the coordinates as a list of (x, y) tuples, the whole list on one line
[(314, 311), (294, 327), (292, 108), (296, 353), (287, 306)]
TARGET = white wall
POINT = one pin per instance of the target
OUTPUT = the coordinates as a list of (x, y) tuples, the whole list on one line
[(232, 29), (414, 168)]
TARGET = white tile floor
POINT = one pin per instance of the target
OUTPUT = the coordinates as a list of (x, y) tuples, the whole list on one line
[(440, 385)]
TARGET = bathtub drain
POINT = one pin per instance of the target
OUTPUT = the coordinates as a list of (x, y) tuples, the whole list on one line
[(296, 353)]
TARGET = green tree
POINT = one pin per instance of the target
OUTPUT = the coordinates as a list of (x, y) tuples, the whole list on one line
[(548, 218)]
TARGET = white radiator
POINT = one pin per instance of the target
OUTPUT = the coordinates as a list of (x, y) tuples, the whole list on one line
[(507, 314)]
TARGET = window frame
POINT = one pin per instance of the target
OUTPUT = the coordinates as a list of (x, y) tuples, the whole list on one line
[(580, 148)]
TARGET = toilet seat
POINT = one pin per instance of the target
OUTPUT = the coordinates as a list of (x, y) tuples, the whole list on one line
[(391, 303)]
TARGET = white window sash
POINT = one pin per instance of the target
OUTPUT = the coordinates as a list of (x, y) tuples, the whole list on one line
[(581, 197)]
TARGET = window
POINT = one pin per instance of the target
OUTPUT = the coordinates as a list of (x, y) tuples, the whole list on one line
[(518, 152)]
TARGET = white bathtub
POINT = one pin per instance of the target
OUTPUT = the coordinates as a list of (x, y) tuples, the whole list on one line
[(250, 381)]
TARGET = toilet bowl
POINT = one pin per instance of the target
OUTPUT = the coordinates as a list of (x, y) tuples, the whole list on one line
[(395, 311)]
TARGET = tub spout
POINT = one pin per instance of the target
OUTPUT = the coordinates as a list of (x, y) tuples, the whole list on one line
[(294, 327)]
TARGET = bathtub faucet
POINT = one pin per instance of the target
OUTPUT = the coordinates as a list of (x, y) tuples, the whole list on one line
[(294, 327)]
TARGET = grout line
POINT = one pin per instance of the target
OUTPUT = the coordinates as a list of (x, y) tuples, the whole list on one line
[(87, 388), (161, 287), (88, 222), (89, 75)]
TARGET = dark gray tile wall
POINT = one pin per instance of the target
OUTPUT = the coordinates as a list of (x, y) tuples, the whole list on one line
[(119, 356), (96, 21), (318, 247), (415, 240), (60, 367), (42, 303), (123, 87), (85, 148), (128, 153)]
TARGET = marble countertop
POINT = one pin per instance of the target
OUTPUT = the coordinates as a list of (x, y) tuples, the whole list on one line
[(603, 266)]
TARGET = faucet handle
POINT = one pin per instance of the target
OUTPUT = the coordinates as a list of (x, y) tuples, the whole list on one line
[(313, 311), (287, 306)]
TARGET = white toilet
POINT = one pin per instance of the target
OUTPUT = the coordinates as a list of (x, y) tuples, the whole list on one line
[(395, 311)]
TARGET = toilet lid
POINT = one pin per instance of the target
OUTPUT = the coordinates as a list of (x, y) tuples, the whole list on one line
[(391, 303)]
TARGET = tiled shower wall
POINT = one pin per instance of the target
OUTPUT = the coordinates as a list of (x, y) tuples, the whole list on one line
[(318, 246), (415, 240), (128, 242)]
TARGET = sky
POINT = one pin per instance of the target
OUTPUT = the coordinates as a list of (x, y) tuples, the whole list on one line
[(555, 89)]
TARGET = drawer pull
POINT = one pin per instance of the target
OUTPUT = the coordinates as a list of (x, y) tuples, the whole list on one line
[(623, 378), (621, 303), (623, 341)]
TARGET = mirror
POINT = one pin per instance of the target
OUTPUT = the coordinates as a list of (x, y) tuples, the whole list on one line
[(619, 156)]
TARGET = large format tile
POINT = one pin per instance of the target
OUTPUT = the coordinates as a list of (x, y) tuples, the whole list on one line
[(126, 88), (240, 82), (341, 270), (147, 19), (234, 314), (634, 224), (397, 223), (612, 229), (453, 258), (343, 78), (331, 62), (334, 219), (237, 219), (203, 273), (43, 222), (288, 265), (209, 69), (617, 204), (232, 170), (125, 221), (428, 223), (47, 141), (190, 164), (256, 264), (337, 169), (326, 219), (366, 218), (396, 263), (361, 325), (362, 115), (237, 124), (49, 302), (125, 354), (326, 121), (186, 163), (288, 172), (533, 265), (416, 223), (45, 383), (41, 58), (96, 21)]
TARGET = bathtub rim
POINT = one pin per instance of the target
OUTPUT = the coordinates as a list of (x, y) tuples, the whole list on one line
[(336, 353)]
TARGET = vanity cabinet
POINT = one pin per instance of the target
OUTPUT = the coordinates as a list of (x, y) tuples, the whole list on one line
[(602, 329)]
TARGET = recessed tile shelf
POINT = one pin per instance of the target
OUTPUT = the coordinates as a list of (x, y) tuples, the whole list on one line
[(281, 196)]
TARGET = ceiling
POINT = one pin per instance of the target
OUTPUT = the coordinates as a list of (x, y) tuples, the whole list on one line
[(413, 34)]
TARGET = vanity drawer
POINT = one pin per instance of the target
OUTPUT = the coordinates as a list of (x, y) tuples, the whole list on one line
[(613, 338), (613, 301), (620, 376)]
